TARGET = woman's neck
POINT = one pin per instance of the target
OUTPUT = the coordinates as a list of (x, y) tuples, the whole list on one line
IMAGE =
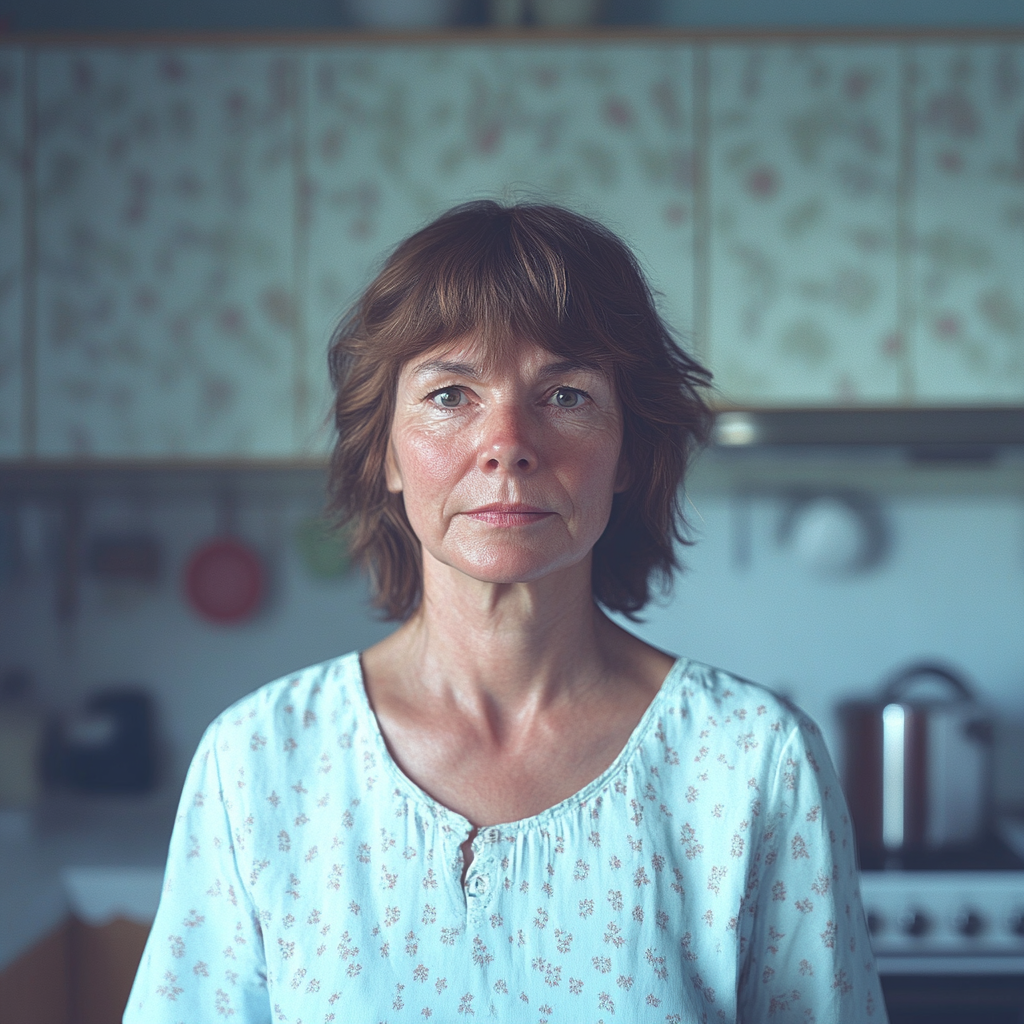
[(506, 645), (500, 702)]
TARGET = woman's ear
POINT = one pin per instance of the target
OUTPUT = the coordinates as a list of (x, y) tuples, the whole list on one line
[(392, 474)]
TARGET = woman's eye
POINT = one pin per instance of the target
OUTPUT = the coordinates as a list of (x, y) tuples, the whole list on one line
[(449, 398), (567, 398)]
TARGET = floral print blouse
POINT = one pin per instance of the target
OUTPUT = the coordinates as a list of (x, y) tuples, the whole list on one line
[(707, 875)]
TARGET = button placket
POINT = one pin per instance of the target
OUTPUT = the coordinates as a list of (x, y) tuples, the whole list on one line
[(479, 885)]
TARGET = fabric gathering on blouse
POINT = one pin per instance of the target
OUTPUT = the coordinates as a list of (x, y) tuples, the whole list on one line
[(706, 875)]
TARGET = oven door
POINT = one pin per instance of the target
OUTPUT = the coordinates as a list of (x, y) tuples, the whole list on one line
[(954, 998)]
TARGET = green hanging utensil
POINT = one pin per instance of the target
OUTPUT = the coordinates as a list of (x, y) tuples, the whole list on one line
[(323, 548)]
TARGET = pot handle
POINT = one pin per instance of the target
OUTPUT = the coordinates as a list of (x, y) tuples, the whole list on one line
[(897, 686)]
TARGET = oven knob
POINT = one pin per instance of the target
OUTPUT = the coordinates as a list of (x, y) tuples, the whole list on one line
[(969, 922), (914, 922), (1016, 923), (876, 923)]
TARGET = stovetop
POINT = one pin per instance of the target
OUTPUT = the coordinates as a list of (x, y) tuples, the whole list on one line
[(957, 911)]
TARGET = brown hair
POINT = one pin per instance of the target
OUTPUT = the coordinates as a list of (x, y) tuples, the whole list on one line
[(512, 272)]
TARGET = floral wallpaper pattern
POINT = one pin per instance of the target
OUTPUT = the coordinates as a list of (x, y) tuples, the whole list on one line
[(804, 158), (969, 218), (12, 155), (397, 135), (826, 222), (165, 211)]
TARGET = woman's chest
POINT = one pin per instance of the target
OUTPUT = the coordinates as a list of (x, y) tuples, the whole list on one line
[(395, 939), (620, 904)]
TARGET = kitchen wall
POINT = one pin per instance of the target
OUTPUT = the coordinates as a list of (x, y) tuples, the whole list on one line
[(951, 586)]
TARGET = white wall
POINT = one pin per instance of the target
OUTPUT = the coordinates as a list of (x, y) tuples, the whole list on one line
[(952, 588)]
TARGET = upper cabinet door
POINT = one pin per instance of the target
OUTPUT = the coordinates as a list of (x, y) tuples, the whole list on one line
[(968, 210), (397, 135), (12, 206), (165, 202), (803, 167)]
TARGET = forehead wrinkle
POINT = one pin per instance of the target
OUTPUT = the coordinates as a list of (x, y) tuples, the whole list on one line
[(506, 354)]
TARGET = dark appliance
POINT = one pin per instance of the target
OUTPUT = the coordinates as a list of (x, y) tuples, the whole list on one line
[(110, 748)]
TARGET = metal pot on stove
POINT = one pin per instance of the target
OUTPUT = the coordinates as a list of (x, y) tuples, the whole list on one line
[(917, 767)]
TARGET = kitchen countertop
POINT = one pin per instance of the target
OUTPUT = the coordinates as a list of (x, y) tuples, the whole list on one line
[(96, 857)]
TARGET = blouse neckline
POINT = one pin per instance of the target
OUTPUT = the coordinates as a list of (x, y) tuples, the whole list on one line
[(462, 825)]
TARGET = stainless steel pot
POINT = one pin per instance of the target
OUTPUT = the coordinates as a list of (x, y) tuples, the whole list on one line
[(917, 769)]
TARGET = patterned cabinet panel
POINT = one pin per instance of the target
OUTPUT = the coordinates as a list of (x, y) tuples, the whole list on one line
[(803, 175), (165, 222), (399, 134), (12, 163), (969, 223)]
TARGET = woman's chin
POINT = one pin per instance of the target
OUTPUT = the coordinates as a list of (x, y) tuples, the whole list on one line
[(516, 567)]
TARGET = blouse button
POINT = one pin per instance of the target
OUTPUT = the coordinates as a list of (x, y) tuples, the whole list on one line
[(491, 835), (479, 885)]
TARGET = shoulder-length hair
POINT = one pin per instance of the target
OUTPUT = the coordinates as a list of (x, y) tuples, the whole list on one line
[(526, 271)]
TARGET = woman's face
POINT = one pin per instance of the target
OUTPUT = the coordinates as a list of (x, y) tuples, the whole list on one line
[(507, 469)]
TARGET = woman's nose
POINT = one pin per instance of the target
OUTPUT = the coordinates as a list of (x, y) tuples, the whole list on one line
[(505, 443)]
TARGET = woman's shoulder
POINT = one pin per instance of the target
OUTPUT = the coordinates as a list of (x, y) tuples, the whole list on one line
[(302, 702), (739, 728), (717, 690), (731, 711)]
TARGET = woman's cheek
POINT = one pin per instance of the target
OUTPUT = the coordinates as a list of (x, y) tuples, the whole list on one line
[(434, 454)]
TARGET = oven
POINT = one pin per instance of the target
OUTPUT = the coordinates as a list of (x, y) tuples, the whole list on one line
[(949, 943)]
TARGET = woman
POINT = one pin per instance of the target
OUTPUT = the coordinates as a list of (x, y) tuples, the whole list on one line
[(511, 808)]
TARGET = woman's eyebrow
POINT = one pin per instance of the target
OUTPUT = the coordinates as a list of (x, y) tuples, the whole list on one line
[(565, 366), (468, 370), (447, 366)]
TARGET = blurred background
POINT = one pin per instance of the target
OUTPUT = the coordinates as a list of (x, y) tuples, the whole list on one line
[(829, 201)]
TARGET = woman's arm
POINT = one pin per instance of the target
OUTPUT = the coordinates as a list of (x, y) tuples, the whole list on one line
[(204, 957), (807, 955)]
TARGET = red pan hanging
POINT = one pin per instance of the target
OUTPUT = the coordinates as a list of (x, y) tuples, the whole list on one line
[(224, 577)]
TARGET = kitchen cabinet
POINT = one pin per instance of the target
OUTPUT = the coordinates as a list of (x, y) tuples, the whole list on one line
[(804, 160), (164, 216), (968, 212), (398, 134), (12, 206), (103, 962), (80, 890), (34, 989), (77, 974), (829, 223)]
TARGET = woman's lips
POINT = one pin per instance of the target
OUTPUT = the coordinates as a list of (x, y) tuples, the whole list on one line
[(508, 515)]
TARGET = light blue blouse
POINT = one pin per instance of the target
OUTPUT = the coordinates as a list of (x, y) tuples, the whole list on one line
[(707, 875)]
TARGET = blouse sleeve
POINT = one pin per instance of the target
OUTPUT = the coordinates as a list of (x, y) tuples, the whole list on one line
[(204, 957), (807, 955)]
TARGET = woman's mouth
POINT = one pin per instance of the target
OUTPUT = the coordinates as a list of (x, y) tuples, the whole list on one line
[(508, 514)]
